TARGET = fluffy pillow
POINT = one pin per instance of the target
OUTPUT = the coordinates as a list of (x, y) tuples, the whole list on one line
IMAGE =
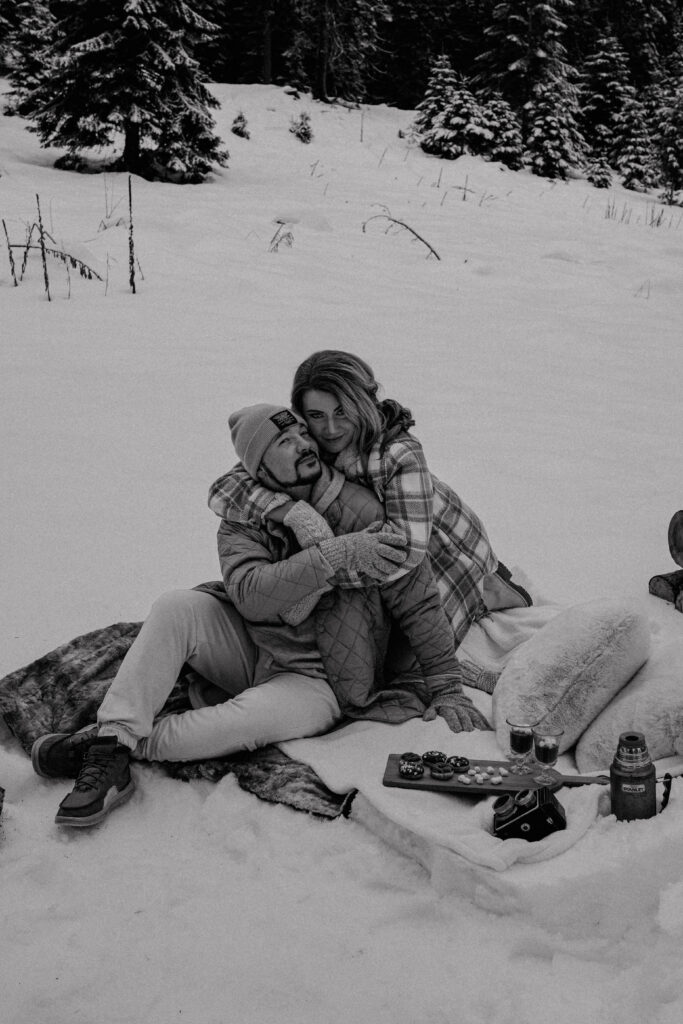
[(572, 668), (652, 703)]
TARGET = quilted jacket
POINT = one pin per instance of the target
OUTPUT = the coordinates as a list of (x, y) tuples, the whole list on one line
[(385, 651), (433, 518)]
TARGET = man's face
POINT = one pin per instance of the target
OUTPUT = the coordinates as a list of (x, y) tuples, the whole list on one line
[(291, 460)]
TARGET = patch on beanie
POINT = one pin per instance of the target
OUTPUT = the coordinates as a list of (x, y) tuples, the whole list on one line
[(283, 419)]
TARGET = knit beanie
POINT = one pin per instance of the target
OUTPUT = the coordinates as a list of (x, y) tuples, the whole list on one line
[(254, 428)]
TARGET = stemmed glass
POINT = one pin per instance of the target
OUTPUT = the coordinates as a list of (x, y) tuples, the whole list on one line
[(521, 742), (546, 751)]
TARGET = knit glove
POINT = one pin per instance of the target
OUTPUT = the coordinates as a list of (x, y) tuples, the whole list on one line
[(307, 525), (458, 712), (375, 552)]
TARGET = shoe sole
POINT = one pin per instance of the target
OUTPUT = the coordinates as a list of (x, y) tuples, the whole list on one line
[(675, 537), (110, 802), (667, 585), (35, 754)]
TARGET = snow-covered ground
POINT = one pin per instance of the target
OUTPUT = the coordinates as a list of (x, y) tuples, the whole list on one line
[(542, 359)]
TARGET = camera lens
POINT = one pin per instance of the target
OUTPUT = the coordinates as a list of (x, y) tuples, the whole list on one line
[(503, 807), (525, 798)]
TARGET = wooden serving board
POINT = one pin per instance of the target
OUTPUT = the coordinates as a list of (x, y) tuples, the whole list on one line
[(511, 783)]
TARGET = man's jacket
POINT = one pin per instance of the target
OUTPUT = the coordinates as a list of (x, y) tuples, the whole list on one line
[(386, 651)]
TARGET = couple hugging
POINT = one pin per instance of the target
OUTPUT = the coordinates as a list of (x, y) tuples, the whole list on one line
[(350, 577)]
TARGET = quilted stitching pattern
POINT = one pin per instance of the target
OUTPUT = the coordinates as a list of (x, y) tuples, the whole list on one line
[(264, 576), (262, 572), (353, 633)]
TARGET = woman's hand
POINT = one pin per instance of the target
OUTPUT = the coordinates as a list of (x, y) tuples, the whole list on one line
[(457, 711), (376, 552)]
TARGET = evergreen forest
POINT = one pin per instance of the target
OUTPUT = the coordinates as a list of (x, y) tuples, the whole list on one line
[(590, 84)]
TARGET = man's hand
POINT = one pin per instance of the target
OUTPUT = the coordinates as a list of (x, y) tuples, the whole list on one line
[(375, 552), (457, 711)]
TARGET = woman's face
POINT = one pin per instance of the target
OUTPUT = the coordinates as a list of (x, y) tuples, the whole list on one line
[(328, 424)]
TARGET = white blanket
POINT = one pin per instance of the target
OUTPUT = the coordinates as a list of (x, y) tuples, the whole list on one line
[(355, 757)]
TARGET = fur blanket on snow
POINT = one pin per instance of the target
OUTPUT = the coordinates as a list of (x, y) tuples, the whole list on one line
[(62, 691)]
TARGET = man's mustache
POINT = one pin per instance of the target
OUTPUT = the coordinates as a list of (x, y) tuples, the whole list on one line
[(306, 455)]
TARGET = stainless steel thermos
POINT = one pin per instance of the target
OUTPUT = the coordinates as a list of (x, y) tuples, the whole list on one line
[(632, 779)]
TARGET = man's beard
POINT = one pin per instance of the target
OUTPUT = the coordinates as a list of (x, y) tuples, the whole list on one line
[(302, 479)]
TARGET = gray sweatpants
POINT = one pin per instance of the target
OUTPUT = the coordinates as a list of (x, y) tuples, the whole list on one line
[(187, 626)]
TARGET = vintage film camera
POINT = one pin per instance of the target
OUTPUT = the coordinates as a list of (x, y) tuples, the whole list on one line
[(529, 814)]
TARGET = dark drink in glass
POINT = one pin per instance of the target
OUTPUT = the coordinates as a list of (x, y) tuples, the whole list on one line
[(546, 751), (521, 740)]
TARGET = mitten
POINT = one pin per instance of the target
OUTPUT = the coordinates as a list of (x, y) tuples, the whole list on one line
[(375, 552), (457, 711)]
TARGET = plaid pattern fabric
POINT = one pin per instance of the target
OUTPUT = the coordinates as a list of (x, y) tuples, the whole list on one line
[(237, 497), (435, 521), (432, 517)]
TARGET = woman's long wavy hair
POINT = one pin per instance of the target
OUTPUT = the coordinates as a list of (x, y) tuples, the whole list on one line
[(353, 383)]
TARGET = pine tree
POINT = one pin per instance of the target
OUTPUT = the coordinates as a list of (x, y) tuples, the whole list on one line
[(655, 98), (666, 97), (459, 128), (29, 48), (605, 88), (632, 148), (248, 42), (539, 78), (599, 172), (673, 63), (505, 145), (526, 48), (554, 143), (418, 31), (125, 68), (441, 85), (333, 46), (670, 145), (644, 29), (8, 23)]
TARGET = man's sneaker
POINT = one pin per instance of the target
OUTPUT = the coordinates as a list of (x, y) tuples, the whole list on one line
[(103, 783), (59, 755)]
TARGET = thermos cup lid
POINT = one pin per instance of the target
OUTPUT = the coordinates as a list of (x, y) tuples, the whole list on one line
[(632, 750)]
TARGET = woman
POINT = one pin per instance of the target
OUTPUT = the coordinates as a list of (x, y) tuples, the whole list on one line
[(369, 441)]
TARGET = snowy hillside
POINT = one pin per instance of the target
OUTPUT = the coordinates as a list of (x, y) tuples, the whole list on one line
[(542, 359)]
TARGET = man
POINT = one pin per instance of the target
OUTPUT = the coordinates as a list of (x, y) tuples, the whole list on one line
[(291, 653)]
